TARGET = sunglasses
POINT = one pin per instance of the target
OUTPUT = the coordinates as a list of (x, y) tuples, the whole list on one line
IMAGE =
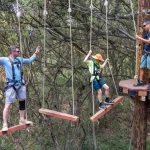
[(17, 51), (145, 25)]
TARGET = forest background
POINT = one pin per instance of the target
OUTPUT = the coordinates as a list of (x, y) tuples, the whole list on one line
[(114, 130)]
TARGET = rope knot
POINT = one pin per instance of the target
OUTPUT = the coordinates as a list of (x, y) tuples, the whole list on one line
[(45, 13), (69, 10), (91, 7), (18, 14), (106, 3)]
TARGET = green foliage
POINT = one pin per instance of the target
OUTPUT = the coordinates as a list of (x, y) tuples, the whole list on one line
[(148, 143), (112, 131)]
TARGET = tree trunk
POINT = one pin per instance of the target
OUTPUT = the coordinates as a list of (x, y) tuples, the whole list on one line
[(140, 107), (145, 17), (140, 124), (140, 33)]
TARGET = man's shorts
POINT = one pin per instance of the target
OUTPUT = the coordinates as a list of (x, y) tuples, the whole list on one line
[(145, 61), (11, 94), (97, 84)]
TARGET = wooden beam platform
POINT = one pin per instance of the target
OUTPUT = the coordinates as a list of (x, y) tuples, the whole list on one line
[(104, 111), (59, 115), (15, 128), (128, 88)]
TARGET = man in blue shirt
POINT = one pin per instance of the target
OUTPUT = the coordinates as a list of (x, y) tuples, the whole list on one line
[(15, 83), (145, 60)]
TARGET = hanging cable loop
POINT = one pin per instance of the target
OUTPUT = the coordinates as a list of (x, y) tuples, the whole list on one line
[(93, 100), (18, 15), (44, 47), (71, 50), (106, 5), (18, 12)]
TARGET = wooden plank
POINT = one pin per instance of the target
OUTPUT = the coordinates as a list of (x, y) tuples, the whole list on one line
[(100, 113), (15, 128), (128, 84), (59, 115)]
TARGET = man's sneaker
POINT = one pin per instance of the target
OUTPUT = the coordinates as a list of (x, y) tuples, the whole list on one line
[(108, 102), (102, 106), (21, 122), (140, 83), (5, 128)]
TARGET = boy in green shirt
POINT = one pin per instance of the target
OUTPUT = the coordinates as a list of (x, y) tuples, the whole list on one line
[(98, 83)]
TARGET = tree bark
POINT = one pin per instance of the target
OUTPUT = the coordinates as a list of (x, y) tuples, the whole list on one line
[(140, 33), (140, 124), (140, 107)]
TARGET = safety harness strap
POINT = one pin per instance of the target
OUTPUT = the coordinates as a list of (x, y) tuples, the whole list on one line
[(13, 69), (146, 52), (13, 80), (95, 73)]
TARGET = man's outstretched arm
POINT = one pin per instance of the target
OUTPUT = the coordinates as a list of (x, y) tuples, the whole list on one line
[(32, 58)]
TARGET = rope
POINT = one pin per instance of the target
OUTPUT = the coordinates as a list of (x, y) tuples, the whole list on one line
[(91, 26), (18, 15), (135, 30), (106, 5), (44, 17), (93, 100), (71, 49)]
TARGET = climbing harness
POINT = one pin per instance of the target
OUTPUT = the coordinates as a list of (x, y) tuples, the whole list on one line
[(16, 84), (95, 73)]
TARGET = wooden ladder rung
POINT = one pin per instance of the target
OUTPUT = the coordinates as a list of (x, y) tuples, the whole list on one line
[(59, 115), (100, 113), (15, 128)]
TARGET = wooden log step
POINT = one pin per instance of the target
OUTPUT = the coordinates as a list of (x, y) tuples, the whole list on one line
[(100, 113), (59, 115), (15, 128)]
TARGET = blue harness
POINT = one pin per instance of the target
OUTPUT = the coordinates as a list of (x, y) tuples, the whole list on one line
[(16, 84)]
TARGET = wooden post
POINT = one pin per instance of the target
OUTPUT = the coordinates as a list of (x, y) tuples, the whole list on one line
[(140, 33), (140, 107)]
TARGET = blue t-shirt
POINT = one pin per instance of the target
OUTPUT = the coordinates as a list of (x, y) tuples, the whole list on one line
[(6, 63), (147, 46)]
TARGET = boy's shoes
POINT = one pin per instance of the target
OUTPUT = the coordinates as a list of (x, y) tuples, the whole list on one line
[(5, 127), (140, 83), (102, 106), (108, 102)]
